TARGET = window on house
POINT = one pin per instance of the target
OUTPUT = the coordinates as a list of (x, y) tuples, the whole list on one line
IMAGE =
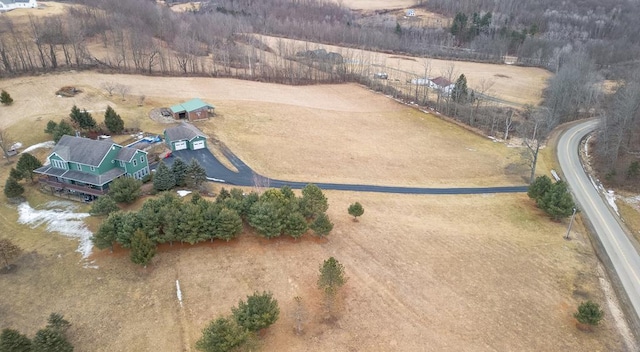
[(92, 168), (121, 163), (58, 164), (78, 167), (135, 162), (142, 159)]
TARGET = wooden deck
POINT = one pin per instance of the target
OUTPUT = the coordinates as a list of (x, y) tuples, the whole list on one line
[(66, 186)]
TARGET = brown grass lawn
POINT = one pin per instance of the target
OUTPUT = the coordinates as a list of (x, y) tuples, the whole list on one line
[(438, 273), (419, 279), (332, 133)]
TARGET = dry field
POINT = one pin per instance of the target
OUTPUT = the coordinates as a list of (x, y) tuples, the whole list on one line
[(438, 273), (419, 280), (332, 133), (515, 84)]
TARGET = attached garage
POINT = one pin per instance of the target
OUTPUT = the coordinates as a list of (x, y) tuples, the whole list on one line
[(179, 145), (185, 136), (201, 144)]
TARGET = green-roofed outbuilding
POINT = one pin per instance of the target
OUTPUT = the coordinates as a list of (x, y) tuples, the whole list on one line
[(194, 109)]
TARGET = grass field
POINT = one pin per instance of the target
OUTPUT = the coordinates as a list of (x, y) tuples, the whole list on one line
[(452, 273), (514, 84)]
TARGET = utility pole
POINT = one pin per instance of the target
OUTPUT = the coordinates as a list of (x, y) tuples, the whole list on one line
[(570, 223)]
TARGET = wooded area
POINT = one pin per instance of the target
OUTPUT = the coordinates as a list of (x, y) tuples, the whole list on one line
[(582, 42)]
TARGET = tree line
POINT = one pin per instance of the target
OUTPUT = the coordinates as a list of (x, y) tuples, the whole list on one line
[(168, 219)]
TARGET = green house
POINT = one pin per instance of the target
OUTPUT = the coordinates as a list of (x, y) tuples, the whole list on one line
[(185, 136), (85, 167)]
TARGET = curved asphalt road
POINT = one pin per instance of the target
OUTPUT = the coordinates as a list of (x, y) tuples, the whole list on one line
[(245, 176), (617, 245)]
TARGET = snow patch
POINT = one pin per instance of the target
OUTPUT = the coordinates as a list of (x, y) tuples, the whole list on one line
[(49, 144), (611, 199), (179, 292), (586, 146), (60, 217), (183, 193)]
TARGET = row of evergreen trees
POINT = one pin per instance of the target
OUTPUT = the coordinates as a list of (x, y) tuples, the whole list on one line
[(169, 219), (83, 120), (50, 338)]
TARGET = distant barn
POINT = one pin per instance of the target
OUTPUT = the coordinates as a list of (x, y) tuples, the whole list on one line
[(194, 109)]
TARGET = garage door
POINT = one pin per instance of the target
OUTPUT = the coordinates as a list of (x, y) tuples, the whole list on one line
[(180, 145), (198, 145)]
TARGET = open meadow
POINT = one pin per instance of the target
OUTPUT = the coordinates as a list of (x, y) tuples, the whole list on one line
[(426, 273)]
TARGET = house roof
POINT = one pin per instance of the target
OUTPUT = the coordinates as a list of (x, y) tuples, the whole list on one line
[(184, 131), (441, 81), (126, 153), (82, 150), (80, 176), (191, 105)]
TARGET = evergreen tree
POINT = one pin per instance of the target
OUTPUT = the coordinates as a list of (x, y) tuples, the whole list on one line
[(50, 340), (179, 169), (313, 201), (247, 202), (113, 121), (196, 175), (331, 276), (125, 190), (539, 187), (26, 164), (460, 92), (164, 179), (295, 225), (63, 128), (107, 233), (17, 175), (82, 119), (266, 218), (130, 222), (589, 313), (13, 341), (228, 224), (221, 335), (104, 205), (557, 202), (5, 98), (321, 225), (57, 322), (142, 249), (51, 126), (259, 312), (12, 189), (356, 210), (8, 252)]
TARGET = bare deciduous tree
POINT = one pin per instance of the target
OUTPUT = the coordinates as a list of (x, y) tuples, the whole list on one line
[(109, 86), (123, 89)]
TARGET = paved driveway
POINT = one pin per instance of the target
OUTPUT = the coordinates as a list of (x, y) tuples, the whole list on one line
[(245, 176)]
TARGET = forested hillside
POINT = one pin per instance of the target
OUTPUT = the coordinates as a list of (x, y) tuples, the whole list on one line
[(582, 42)]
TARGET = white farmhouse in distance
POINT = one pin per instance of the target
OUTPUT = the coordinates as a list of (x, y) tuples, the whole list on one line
[(8, 5)]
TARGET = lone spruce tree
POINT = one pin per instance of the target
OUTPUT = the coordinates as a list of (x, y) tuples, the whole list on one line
[(5, 98), (259, 312), (589, 313), (356, 210), (330, 280), (113, 121)]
